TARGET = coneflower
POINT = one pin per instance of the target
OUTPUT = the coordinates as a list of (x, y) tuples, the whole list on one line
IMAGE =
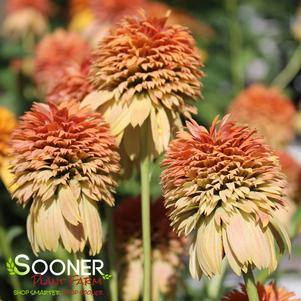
[(292, 169), (221, 185), (73, 84), (268, 111), (268, 292), (65, 162), (54, 53), (8, 123), (146, 73), (167, 249)]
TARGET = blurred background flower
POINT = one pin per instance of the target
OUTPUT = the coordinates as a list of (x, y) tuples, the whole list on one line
[(268, 111), (55, 52), (167, 250)]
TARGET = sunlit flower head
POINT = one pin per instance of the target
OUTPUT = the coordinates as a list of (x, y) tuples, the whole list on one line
[(221, 185), (268, 292), (268, 111), (73, 84), (65, 162), (167, 249), (146, 73), (56, 51)]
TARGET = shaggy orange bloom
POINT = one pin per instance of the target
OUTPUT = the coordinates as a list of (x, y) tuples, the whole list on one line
[(73, 85), (266, 293), (221, 185), (146, 73), (56, 51), (292, 170), (65, 162), (167, 249), (7, 124), (42, 6), (268, 111)]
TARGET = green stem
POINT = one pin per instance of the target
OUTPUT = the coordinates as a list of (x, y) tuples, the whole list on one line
[(214, 288), (250, 285), (146, 231), (86, 287), (8, 253), (296, 223), (290, 71), (234, 44), (113, 284)]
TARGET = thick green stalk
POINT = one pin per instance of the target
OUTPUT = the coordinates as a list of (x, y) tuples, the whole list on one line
[(290, 71), (113, 284), (250, 285), (215, 285), (86, 287), (146, 231)]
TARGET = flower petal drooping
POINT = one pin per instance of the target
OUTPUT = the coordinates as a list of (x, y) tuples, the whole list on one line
[(65, 161), (146, 73), (223, 185), (268, 111), (55, 52), (268, 292), (167, 249)]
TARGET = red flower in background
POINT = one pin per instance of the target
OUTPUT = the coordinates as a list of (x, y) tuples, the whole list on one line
[(73, 84), (268, 111), (55, 52), (167, 249)]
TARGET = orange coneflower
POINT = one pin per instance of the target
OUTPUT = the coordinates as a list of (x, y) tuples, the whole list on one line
[(292, 169), (167, 249), (65, 161), (268, 292), (8, 123), (73, 85), (222, 185), (56, 51), (266, 110), (145, 73)]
